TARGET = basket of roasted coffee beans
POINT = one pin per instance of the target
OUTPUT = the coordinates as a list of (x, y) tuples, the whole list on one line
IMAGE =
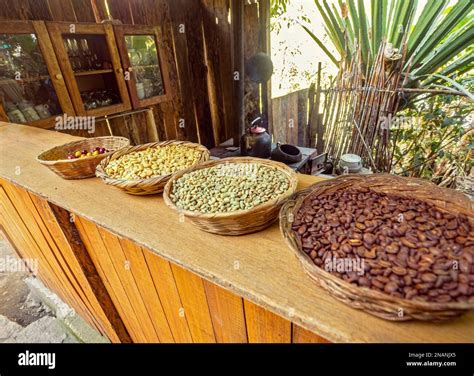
[(398, 248), (145, 169), (231, 196)]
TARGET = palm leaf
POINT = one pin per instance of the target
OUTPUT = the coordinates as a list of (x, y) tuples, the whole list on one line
[(446, 51), (321, 44), (425, 23), (336, 26), (364, 35), (457, 85), (442, 29), (379, 14), (331, 29), (459, 66), (405, 18)]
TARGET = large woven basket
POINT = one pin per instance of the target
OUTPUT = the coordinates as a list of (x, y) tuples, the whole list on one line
[(145, 186), (372, 301), (80, 168), (238, 222)]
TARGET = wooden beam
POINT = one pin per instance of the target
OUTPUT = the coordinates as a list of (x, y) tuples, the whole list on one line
[(238, 118), (266, 94)]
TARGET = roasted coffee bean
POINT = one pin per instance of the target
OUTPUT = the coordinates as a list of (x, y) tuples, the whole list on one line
[(364, 281), (410, 248), (428, 277), (346, 248), (302, 229), (369, 239), (390, 287), (392, 248), (399, 270), (378, 284), (355, 242), (408, 243)]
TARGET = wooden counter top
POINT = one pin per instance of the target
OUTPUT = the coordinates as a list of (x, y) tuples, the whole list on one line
[(268, 273)]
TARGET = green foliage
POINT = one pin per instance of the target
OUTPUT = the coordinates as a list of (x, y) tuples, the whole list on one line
[(438, 36), (435, 140)]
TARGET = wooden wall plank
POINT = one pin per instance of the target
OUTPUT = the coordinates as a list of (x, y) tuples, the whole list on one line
[(138, 267), (264, 326), (26, 234), (165, 285), (62, 10), (193, 296), (67, 235), (83, 10), (127, 282), (227, 314), (15, 10), (120, 10), (40, 10), (251, 47), (301, 335), (18, 232), (92, 239), (184, 66), (302, 113), (67, 290), (190, 14)]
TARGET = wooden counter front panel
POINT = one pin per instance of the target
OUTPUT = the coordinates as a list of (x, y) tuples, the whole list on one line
[(154, 299), (31, 227), (161, 302)]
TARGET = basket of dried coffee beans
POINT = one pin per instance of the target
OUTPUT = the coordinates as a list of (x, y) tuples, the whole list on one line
[(231, 196), (145, 169), (398, 248)]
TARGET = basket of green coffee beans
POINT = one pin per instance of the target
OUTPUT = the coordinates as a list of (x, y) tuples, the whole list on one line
[(231, 196)]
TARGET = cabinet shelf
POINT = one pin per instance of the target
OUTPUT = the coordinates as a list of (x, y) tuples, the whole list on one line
[(92, 72)]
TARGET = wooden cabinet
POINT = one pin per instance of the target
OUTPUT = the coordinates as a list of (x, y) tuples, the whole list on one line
[(147, 74), (32, 87), (89, 59), (79, 69)]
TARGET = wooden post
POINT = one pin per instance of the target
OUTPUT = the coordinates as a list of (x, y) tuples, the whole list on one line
[(238, 118), (151, 126), (265, 40), (319, 125)]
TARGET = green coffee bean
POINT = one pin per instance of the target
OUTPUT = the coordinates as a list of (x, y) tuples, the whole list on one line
[(230, 187)]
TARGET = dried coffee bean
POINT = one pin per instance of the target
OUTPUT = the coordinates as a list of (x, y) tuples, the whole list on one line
[(392, 248), (302, 229), (399, 270), (369, 239), (428, 277), (411, 249), (390, 287)]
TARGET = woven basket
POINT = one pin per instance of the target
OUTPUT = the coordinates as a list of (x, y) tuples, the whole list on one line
[(238, 222), (374, 302), (80, 168), (145, 186)]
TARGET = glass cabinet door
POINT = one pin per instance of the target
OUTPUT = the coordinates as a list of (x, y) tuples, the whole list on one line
[(89, 59), (32, 89), (146, 70)]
